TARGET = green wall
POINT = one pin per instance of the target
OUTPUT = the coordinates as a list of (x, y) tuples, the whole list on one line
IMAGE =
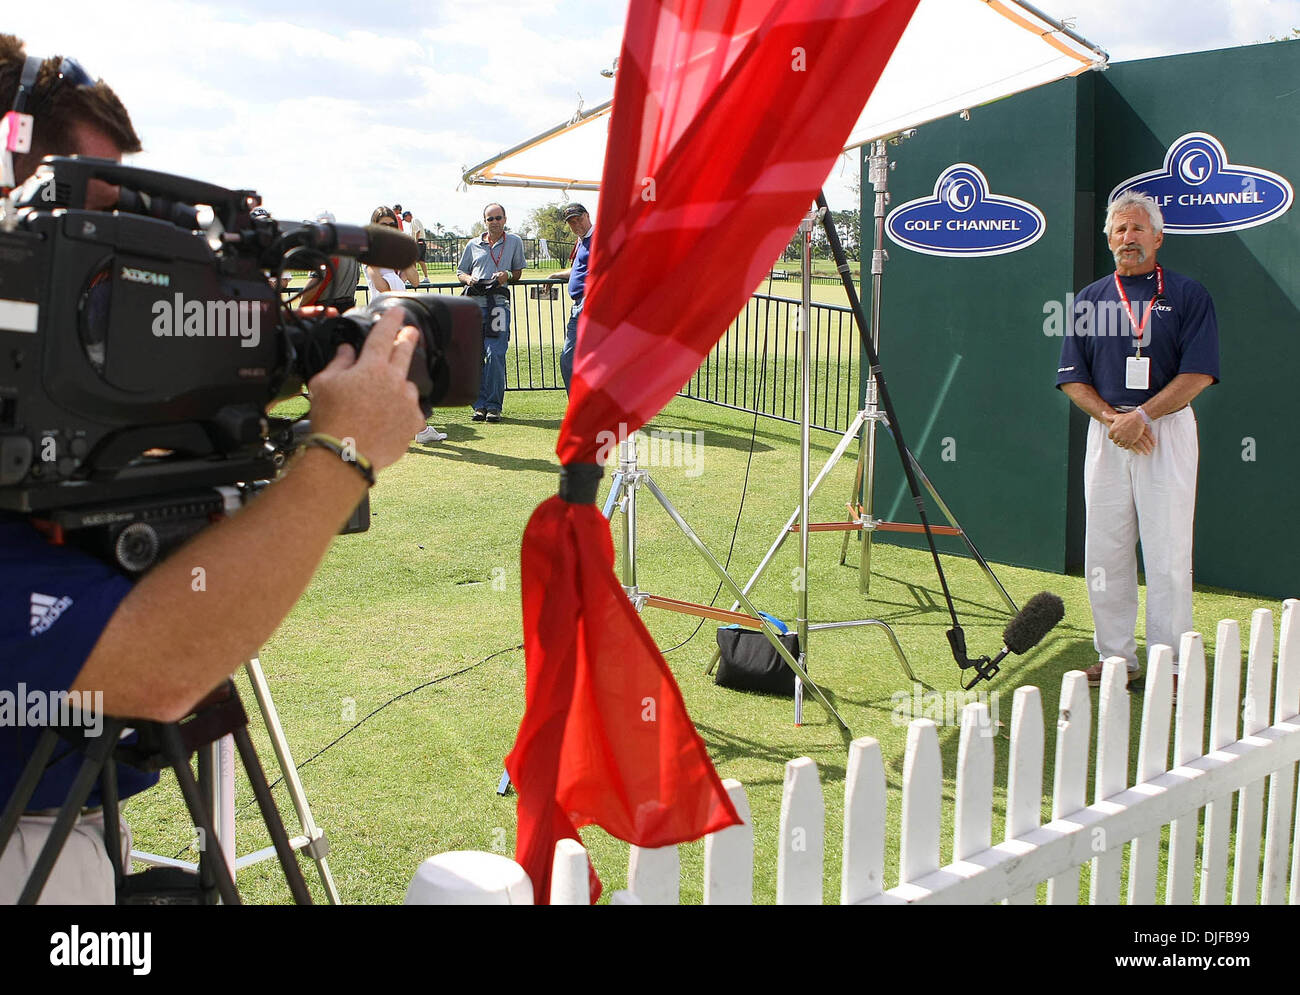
[(962, 341)]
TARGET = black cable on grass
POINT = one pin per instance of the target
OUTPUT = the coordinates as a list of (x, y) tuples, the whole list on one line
[(357, 725), (744, 488), (399, 697)]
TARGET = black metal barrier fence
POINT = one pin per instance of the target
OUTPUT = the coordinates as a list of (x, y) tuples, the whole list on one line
[(442, 253), (753, 367)]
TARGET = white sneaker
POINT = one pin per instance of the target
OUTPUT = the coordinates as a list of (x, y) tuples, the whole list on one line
[(430, 434)]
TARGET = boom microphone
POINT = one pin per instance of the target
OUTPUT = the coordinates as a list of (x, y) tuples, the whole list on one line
[(375, 245), (1031, 624), (1023, 633)]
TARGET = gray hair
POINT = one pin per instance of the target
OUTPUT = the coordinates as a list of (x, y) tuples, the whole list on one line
[(1134, 198)]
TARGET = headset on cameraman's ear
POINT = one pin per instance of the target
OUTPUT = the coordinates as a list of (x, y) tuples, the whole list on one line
[(17, 126)]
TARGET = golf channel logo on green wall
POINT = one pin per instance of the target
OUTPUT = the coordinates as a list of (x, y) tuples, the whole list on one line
[(963, 218), (1201, 193)]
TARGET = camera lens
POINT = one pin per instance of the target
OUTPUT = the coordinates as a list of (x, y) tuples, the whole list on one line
[(448, 360)]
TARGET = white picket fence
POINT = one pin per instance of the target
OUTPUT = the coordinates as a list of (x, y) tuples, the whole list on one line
[(1247, 761)]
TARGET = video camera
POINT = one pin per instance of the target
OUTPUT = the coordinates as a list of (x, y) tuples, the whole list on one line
[(140, 348)]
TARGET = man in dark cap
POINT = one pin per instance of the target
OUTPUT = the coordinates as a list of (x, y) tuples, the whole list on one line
[(579, 222)]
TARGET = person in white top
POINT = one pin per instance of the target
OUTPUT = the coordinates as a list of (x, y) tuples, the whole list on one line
[(414, 227), (382, 280)]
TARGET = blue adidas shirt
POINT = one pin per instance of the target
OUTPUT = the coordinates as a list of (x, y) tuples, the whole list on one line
[(54, 603), (1181, 335)]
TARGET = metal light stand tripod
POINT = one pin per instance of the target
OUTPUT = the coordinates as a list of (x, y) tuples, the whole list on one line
[(217, 779), (623, 499), (863, 497), (861, 519), (799, 516)]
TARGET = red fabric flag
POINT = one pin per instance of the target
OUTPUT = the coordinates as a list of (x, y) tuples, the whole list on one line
[(728, 116)]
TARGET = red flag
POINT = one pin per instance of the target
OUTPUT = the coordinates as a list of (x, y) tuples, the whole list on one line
[(728, 116)]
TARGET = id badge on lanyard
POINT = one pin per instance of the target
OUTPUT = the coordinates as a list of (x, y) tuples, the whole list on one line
[(1137, 373), (1137, 369)]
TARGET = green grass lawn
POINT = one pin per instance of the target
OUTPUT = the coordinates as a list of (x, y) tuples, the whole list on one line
[(398, 676)]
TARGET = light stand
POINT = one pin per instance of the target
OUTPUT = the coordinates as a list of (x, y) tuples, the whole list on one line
[(622, 499), (628, 479), (796, 521), (863, 497), (863, 428)]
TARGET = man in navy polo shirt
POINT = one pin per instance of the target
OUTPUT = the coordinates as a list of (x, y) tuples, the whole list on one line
[(493, 261), (579, 222), (1143, 343)]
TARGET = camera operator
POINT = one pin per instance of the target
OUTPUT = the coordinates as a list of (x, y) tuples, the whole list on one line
[(156, 648)]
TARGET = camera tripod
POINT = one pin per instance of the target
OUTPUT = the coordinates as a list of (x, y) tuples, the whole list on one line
[(158, 744), (216, 758)]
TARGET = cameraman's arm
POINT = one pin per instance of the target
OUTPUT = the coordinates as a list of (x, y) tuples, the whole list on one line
[(168, 645)]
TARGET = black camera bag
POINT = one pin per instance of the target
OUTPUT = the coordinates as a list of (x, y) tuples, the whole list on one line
[(749, 662)]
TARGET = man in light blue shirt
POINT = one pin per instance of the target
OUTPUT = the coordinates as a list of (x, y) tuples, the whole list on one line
[(489, 264)]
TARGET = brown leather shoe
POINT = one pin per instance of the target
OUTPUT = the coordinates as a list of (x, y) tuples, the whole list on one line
[(1094, 675)]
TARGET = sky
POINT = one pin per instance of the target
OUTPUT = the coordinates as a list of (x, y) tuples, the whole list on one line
[(346, 106)]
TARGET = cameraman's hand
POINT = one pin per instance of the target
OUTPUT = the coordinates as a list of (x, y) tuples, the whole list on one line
[(368, 398)]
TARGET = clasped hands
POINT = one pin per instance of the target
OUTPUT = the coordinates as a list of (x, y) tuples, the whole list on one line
[(1130, 431)]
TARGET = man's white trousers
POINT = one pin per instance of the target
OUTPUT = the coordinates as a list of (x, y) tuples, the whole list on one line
[(1153, 498)]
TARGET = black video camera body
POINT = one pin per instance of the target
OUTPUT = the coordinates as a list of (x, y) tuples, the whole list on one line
[(140, 348)]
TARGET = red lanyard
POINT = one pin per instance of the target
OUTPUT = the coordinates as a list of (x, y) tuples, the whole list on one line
[(1160, 292), (496, 256)]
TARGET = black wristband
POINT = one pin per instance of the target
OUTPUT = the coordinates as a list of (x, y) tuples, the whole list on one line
[(348, 455)]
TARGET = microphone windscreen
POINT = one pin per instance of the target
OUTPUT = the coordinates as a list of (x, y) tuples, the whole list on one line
[(1033, 622), (389, 248)]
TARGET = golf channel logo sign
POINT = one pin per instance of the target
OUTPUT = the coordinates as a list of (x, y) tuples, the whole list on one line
[(962, 218), (1200, 193)]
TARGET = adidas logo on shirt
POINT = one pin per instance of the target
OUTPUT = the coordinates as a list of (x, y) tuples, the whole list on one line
[(46, 610)]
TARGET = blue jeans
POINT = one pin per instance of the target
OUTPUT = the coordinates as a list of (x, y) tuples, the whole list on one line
[(492, 389), (570, 342)]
